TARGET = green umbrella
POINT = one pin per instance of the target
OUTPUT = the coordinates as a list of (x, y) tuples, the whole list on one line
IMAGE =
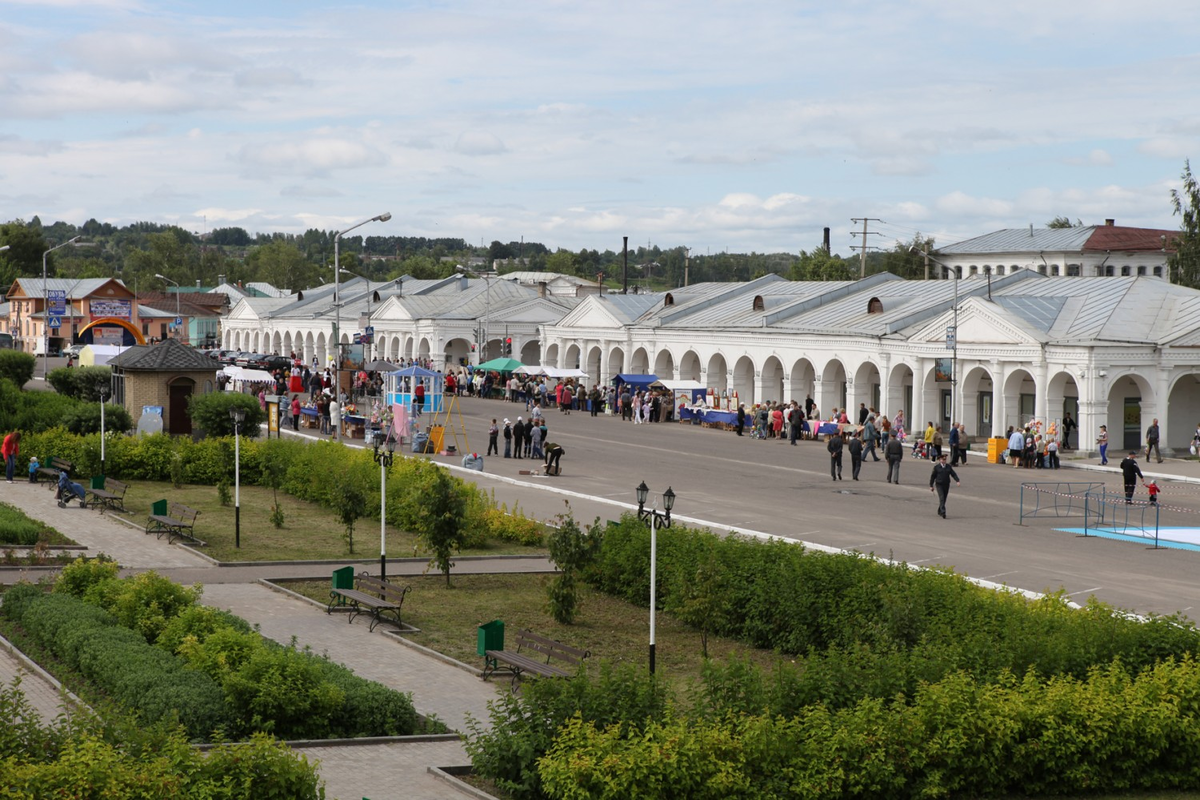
[(500, 365)]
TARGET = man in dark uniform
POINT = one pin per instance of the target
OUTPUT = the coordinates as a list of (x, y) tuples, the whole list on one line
[(1132, 472), (863, 413), (835, 455), (519, 438), (894, 453), (939, 479), (856, 455), (741, 418)]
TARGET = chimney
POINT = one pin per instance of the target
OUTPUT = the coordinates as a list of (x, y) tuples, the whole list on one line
[(197, 283), (542, 290), (826, 240), (462, 283), (1109, 223), (220, 280)]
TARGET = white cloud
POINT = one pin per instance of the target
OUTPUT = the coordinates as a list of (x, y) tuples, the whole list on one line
[(479, 143), (315, 156)]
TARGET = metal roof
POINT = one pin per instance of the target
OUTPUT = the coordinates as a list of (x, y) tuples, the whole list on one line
[(1022, 240)]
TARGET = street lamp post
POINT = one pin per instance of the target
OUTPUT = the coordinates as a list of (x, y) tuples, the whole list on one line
[(655, 519), (384, 459), (337, 309), (46, 304), (103, 397), (366, 347), (239, 416), (168, 280)]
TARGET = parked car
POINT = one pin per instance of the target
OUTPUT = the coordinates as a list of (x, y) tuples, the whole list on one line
[(73, 350), (272, 363)]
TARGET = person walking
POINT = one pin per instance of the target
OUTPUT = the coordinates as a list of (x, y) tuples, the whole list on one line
[(493, 438), (1152, 442), (795, 417), (856, 455), (295, 412), (1068, 425), (835, 447), (335, 417), (937, 443), (508, 435), (519, 438), (1102, 441), (954, 440), (535, 440), (11, 449), (870, 435), (894, 453), (1132, 473), (939, 481), (1016, 447), (741, 418)]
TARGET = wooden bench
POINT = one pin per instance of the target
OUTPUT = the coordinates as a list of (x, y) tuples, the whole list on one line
[(111, 497), (533, 656), (370, 595), (178, 522), (56, 465)]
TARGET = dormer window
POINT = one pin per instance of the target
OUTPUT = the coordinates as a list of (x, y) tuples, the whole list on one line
[(670, 300), (874, 306), (758, 303)]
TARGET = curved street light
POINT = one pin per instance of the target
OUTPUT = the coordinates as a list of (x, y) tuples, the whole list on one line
[(384, 459), (46, 303), (337, 310)]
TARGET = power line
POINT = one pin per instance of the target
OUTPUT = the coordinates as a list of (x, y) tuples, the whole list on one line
[(862, 256)]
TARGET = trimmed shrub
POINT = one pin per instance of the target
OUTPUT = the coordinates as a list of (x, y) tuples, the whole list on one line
[(81, 383), (17, 367)]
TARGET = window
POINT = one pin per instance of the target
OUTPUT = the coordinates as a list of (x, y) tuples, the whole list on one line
[(1125, 271), (1108, 271), (1000, 270), (1054, 270), (1042, 269), (669, 300), (974, 270), (1141, 270), (758, 303), (874, 306), (1158, 272), (1074, 270)]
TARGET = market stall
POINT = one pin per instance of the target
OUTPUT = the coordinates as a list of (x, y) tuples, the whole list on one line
[(401, 389), (634, 381)]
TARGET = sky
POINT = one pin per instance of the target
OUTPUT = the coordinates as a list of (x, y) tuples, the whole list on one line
[(720, 126)]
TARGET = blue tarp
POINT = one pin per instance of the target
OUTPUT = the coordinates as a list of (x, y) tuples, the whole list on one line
[(636, 381)]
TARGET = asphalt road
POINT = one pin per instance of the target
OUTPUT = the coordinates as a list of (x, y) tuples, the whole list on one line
[(772, 487)]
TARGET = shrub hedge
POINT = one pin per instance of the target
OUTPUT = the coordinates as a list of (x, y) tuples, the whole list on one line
[(285, 691), (1112, 731)]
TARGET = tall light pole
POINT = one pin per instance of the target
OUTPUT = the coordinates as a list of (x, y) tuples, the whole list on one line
[(368, 280), (103, 397), (176, 284), (337, 309), (46, 305), (384, 459), (239, 416), (655, 519)]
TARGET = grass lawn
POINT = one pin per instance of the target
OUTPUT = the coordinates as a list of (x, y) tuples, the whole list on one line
[(309, 532), (612, 629), (14, 523)]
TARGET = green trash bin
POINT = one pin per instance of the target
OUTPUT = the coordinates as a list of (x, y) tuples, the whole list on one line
[(159, 508), (342, 579), (491, 636), (98, 483)]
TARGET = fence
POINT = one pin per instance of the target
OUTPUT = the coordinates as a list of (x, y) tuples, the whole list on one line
[(1059, 500), (1100, 509)]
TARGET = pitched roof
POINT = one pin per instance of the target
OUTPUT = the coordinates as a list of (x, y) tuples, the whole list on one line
[(166, 356)]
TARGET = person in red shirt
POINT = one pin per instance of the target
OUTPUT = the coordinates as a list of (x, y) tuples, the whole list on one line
[(10, 450)]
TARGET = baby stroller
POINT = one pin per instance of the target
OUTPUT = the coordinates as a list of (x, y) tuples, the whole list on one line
[(918, 449), (68, 491)]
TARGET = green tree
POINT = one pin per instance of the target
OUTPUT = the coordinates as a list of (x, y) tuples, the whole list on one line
[(281, 264), (24, 256), (572, 550), (434, 508), (820, 265), (1063, 222), (1184, 262), (349, 500), (699, 598), (561, 261), (210, 412), (907, 259)]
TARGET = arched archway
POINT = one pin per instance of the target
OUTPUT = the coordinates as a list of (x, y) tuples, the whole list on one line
[(551, 355), (573, 357), (616, 363), (801, 381), (531, 353), (689, 366), (1062, 396), (309, 348), (831, 388), (1020, 399), (664, 365), (899, 390), (593, 365), (457, 353), (277, 344), (743, 380), (718, 375), (1131, 406), (423, 349), (772, 379), (867, 389), (640, 363), (978, 410), (1183, 413)]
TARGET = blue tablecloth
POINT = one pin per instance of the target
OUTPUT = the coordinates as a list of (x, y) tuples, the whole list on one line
[(709, 415)]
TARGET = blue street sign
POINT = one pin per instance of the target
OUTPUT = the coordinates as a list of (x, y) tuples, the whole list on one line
[(179, 320), (370, 330), (56, 322)]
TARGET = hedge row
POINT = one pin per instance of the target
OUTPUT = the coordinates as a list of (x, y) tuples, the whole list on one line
[(868, 629), (17, 528), (145, 680), (302, 469), (83, 758), (288, 692), (1112, 732)]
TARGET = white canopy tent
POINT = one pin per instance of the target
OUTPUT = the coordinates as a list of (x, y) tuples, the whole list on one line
[(248, 375)]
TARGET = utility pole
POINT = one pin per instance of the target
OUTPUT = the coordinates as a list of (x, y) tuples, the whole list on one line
[(862, 256), (687, 258)]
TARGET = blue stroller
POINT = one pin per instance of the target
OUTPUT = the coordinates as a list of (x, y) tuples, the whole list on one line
[(68, 491)]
